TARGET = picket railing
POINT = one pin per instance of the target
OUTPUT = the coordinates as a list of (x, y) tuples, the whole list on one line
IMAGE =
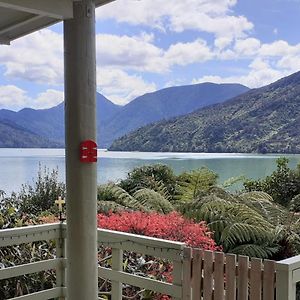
[(197, 274), (219, 276)]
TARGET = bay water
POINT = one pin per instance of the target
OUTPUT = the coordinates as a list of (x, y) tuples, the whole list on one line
[(20, 166)]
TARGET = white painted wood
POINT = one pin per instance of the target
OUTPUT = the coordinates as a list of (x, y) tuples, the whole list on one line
[(117, 265), (177, 276), (16, 236), (285, 286), (105, 235), (142, 282), (43, 295), (30, 268), (141, 244), (57, 9), (187, 274), (60, 269), (291, 263), (102, 2), (19, 24), (81, 125)]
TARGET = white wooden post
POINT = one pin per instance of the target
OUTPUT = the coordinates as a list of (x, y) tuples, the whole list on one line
[(287, 275), (117, 265), (187, 270), (81, 177), (177, 274), (60, 253)]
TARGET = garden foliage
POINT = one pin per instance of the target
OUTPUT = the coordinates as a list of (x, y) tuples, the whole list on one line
[(171, 226)]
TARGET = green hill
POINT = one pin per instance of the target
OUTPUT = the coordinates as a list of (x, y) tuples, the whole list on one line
[(15, 136), (165, 104), (264, 120)]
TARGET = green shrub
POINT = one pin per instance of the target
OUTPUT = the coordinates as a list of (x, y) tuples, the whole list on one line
[(151, 176), (42, 195), (283, 184)]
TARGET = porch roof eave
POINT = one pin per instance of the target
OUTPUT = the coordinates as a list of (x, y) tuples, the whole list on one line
[(22, 17)]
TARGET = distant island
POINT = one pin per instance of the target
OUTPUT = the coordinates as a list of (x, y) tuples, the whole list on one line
[(264, 120), (44, 128)]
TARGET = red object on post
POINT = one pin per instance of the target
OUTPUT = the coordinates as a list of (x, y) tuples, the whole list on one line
[(88, 151)]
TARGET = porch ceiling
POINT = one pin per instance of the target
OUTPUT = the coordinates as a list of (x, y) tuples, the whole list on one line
[(21, 17)]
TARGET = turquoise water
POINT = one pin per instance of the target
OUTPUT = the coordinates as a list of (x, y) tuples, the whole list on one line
[(19, 166)]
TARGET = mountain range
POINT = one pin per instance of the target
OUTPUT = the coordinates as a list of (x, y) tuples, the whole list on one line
[(45, 127), (263, 120)]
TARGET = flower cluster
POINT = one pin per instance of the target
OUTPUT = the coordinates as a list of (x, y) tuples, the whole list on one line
[(172, 226)]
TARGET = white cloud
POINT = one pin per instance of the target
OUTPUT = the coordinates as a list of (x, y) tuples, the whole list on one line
[(120, 87), (37, 57), (278, 48), (247, 47), (49, 98), (139, 54), (209, 16), (260, 74), (188, 53), (15, 98), (130, 52), (222, 42), (12, 97)]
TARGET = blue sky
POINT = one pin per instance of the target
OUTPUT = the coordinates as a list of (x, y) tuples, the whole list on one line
[(147, 45)]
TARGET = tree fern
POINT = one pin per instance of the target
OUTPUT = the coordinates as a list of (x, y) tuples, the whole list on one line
[(193, 183), (255, 250), (116, 194), (153, 201)]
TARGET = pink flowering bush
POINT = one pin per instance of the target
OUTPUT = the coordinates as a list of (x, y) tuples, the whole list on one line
[(172, 226)]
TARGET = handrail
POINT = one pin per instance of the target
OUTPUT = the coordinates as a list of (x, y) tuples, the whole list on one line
[(118, 241), (185, 262), (29, 234)]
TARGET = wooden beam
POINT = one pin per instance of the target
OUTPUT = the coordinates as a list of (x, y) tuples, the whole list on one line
[(58, 9), (4, 41), (19, 24), (102, 2)]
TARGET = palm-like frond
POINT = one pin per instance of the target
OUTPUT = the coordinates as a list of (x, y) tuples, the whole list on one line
[(121, 197), (153, 201), (232, 181), (109, 206), (195, 182), (263, 203), (254, 250), (234, 223)]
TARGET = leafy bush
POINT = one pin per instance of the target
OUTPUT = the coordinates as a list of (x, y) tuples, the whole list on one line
[(172, 226), (113, 198), (192, 184), (42, 195), (283, 184), (149, 177)]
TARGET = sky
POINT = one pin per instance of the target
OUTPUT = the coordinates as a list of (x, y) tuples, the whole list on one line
[(146, 45)]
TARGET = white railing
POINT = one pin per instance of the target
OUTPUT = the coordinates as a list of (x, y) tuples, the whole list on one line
[(287, 274), (172, 251), (118, 241), (190, 268), (23, 235)]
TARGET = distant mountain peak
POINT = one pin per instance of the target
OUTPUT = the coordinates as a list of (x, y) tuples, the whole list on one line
[(264, 120)]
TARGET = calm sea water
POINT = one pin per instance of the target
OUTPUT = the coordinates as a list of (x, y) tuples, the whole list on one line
[(19, 166)]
